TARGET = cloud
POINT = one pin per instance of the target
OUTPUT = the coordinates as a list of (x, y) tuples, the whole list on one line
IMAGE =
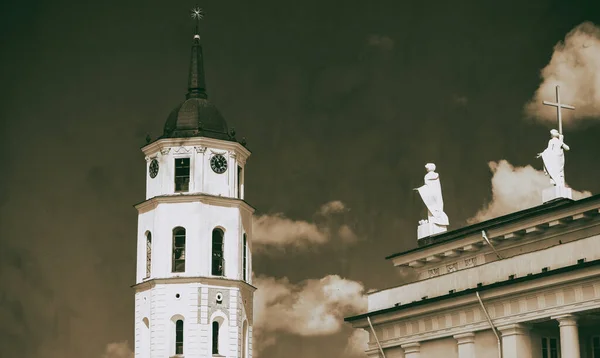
[(575, 67), (314, 307), (346, 234), (332, 207), (382, 42), (357, 343), (276, 231), (514, 189), (118, 350)]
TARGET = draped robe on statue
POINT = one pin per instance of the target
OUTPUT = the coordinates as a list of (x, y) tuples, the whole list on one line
[(431, 193), (554, 161)]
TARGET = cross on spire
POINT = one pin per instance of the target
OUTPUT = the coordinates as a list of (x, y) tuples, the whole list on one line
[(558, 106)]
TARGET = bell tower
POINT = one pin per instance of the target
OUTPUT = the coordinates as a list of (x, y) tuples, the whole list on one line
[(193, 291)]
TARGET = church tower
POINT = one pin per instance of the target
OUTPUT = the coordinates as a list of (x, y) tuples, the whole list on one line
[(193, 291)]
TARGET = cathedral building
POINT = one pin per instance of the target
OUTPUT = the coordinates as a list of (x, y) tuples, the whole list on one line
[(193, 291), (523, 285)]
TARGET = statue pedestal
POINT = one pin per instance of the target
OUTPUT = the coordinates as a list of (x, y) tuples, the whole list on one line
[(555, 192), (427, 229)]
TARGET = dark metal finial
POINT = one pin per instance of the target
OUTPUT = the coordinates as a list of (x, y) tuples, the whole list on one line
[(232, 132), (148, 139), (243, 141)]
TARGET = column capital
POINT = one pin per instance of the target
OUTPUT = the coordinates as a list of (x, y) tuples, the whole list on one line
[(514, 329), (567, 319), (414, 347), (464, 338)]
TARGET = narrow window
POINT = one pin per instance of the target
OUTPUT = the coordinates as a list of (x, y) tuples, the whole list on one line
[(553, 348), (550, 348), (596, 347), (179, 337), (218, 262), (178, 249), (239, 182), (215, 337), (148, 253), (245, 259), (182, 174)]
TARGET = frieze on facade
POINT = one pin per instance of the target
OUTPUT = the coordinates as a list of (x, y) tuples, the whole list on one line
[(469, 318)]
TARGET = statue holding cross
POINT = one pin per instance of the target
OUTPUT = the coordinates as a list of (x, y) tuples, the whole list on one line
[(553, 156)]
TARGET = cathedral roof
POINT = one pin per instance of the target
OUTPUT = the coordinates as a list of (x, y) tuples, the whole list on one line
[(197, 116)]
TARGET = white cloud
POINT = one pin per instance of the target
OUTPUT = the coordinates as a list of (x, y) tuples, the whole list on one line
[(514, 189), (346, 234), (357, 344), (276, 231), (332, 207), (575, 67), (118, 350), (313, 307)]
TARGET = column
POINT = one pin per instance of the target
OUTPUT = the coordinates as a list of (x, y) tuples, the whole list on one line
[(516, 342), (569, 335), (412, 350), (466, 345)]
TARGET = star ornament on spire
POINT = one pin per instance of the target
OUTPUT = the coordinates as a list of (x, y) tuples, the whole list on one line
[(197, 13)]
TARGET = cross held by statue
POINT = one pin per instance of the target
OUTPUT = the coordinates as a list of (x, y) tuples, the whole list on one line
[(559, 106)]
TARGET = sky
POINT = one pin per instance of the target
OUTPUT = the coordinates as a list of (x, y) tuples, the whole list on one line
[(342, 105)]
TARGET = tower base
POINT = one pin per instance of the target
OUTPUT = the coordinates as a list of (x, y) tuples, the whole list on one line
[(556, 192), (426, 229)]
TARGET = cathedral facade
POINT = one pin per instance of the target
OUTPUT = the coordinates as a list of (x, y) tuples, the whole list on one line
[(193, 291), (523, 285)]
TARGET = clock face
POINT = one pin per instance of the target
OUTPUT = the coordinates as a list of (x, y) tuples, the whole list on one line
[(153, 170), (218, 163)]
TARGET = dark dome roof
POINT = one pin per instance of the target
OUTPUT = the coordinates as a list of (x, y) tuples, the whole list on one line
[(196, 117)]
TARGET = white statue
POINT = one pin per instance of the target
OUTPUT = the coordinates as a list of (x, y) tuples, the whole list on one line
[(554, 158), (431, 193)]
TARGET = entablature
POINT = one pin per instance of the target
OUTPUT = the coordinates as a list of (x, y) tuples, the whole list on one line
[(200, 144), (190, 198), (202, 280), (529, 300)]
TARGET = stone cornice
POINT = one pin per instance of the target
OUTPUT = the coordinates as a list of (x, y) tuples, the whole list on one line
[(163, 143), (519, 233), (509, 227), (191, 198), (203, 280)]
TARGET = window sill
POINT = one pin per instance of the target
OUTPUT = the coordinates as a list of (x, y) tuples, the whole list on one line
[(177, 356)]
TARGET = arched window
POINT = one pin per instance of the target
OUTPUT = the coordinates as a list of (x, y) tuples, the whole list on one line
[(245, 259), (215, 337), (148, 254), (218, 262), (178, 249), (179, 336)]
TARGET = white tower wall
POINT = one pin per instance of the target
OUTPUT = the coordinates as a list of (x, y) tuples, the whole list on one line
[(194, 296)]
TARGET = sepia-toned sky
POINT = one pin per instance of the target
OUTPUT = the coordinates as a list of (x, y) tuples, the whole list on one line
[(342, 104)]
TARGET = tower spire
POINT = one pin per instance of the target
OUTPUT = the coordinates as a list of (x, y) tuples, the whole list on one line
[(196, 82)]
